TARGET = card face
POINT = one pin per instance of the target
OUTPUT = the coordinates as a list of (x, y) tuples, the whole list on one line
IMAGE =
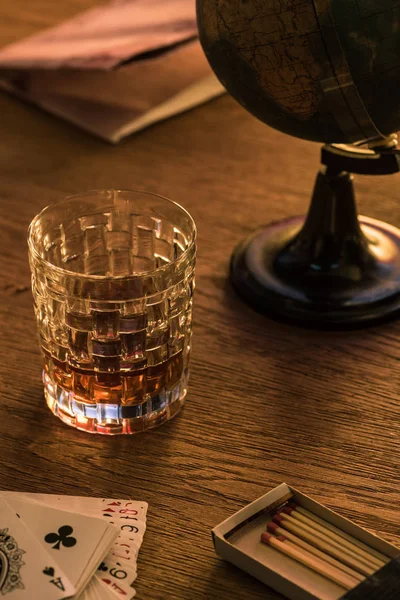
[(97, 507), (124, 551), (25, 566), (95, 590), (133, 531), (123, 513), (120, 588), (125, 508), (84, 536), (117, 571), (70, 538)]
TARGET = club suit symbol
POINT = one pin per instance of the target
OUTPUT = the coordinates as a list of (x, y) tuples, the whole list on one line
[(62, 538)]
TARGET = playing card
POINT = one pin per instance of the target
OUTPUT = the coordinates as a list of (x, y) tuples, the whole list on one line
[(25, 566), (125, 551), (117, 570), (124, 513), (127, 515), (132, 531), (121, 589), (72, 539), (95, 590), (115, 559), (97, 507)]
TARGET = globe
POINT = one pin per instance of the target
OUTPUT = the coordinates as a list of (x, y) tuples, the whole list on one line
[(321, 70), (325, 71)]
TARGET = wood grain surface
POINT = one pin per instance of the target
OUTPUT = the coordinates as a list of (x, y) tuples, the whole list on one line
[(267, 403)]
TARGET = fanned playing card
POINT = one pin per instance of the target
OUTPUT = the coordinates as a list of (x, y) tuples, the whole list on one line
[(65, 535), (94, 541), (25, 566)]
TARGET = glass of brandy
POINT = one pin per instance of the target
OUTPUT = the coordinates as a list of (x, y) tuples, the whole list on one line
[(112, 281)]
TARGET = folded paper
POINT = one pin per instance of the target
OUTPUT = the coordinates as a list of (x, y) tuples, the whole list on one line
[(115, 69), (105, 36)]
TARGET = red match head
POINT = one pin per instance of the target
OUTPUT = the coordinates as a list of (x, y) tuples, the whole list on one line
[(277, 519), (287, 510), (272, 527), (265, 537), (293, 505)]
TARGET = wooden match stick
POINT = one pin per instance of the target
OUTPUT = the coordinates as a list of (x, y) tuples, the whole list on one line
[(320, 542), (324, 569), (275, 529), (378, 555), (334, 535), (333, 539)]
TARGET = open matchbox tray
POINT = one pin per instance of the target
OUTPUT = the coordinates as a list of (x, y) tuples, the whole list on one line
[(237, 540)]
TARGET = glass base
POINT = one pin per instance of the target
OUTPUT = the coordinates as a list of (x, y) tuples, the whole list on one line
[(115, 419)]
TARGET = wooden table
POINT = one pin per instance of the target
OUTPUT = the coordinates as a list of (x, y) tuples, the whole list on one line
[(267, 403)]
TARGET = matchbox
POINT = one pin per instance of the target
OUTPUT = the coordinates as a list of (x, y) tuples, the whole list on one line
[(238, 540)]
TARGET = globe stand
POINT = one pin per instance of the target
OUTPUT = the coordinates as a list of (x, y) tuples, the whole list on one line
[(330, 268)]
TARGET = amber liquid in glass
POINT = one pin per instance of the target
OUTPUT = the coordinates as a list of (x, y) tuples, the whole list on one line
[(126, 388), (130, 386)]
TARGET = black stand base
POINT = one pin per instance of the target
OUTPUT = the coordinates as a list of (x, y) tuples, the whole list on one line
[(327, 269)]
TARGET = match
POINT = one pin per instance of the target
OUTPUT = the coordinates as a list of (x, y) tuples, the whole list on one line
[(300, 510), (280, 543), (322, 544), (276, 530), (342, 541)]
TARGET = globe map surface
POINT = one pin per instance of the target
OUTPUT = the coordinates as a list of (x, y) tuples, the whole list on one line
[(308, 67)]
